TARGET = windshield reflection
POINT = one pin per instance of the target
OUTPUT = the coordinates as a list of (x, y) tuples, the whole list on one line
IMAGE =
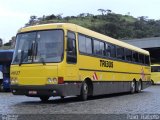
[(39, 47)]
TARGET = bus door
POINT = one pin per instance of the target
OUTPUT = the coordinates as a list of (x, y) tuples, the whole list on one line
[(72, 69)]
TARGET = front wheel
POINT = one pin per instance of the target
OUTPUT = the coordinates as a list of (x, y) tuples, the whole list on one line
[(84, 91), (44, 98), (139, 86)]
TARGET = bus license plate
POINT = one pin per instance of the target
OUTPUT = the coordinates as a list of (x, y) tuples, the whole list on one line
[(32, 92)]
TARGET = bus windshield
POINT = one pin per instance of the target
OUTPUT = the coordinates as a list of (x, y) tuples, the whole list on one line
[(39, 46), (155, 68)]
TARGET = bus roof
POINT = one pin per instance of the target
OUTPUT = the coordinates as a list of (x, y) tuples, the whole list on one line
[(79, 29)]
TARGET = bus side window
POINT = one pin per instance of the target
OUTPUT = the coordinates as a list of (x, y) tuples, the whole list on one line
[(120, 53), (141, 58), (134, 56), (128, 54), (147, 61), (71, 48), (108, 50)]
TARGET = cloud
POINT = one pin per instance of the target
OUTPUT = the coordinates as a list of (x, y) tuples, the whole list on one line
[(11, 21), (5, 12)]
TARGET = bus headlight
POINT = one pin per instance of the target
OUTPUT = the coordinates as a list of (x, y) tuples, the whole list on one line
[(55, 81), (52, 81), (49, 80), (14, 81)]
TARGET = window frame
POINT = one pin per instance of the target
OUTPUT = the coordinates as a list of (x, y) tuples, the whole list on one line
[(69, 62), (114, 47)]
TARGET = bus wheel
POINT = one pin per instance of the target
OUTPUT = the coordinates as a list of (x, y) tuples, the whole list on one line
[(133, 87), (84, 91), (139, 86), (152, 82), (44, 98)]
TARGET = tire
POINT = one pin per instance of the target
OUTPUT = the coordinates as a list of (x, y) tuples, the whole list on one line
[(152, 82), (139, 86), (44, 98), (84, 91), (133, 87)]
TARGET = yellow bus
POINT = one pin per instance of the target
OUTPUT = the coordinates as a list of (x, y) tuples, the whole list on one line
[(155, 74), (64, 59)]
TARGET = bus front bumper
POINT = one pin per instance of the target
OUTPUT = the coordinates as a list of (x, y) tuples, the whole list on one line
[(47, 90)]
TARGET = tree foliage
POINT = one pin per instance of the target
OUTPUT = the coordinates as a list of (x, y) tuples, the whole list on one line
[(108, 23)]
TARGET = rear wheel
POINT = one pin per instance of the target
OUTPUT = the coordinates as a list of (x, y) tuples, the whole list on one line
[(84, 91), (44, 98), (139, 86), (133, 87)]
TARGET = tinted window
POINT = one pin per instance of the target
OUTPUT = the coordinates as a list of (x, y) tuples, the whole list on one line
[(110, 50), (82, 43), (147, 60), (98, 47), (101, 48), (85, 44), (39, 46), (141, 58), (71, 48), (49, 46), (128, 54), (88, 45), (135, 56), (155, 68), (120, 53)]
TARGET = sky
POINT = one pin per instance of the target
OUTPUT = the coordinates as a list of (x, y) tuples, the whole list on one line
[(15, 13)]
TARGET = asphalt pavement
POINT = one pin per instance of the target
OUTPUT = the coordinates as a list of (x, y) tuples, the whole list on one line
[(125, 104)]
